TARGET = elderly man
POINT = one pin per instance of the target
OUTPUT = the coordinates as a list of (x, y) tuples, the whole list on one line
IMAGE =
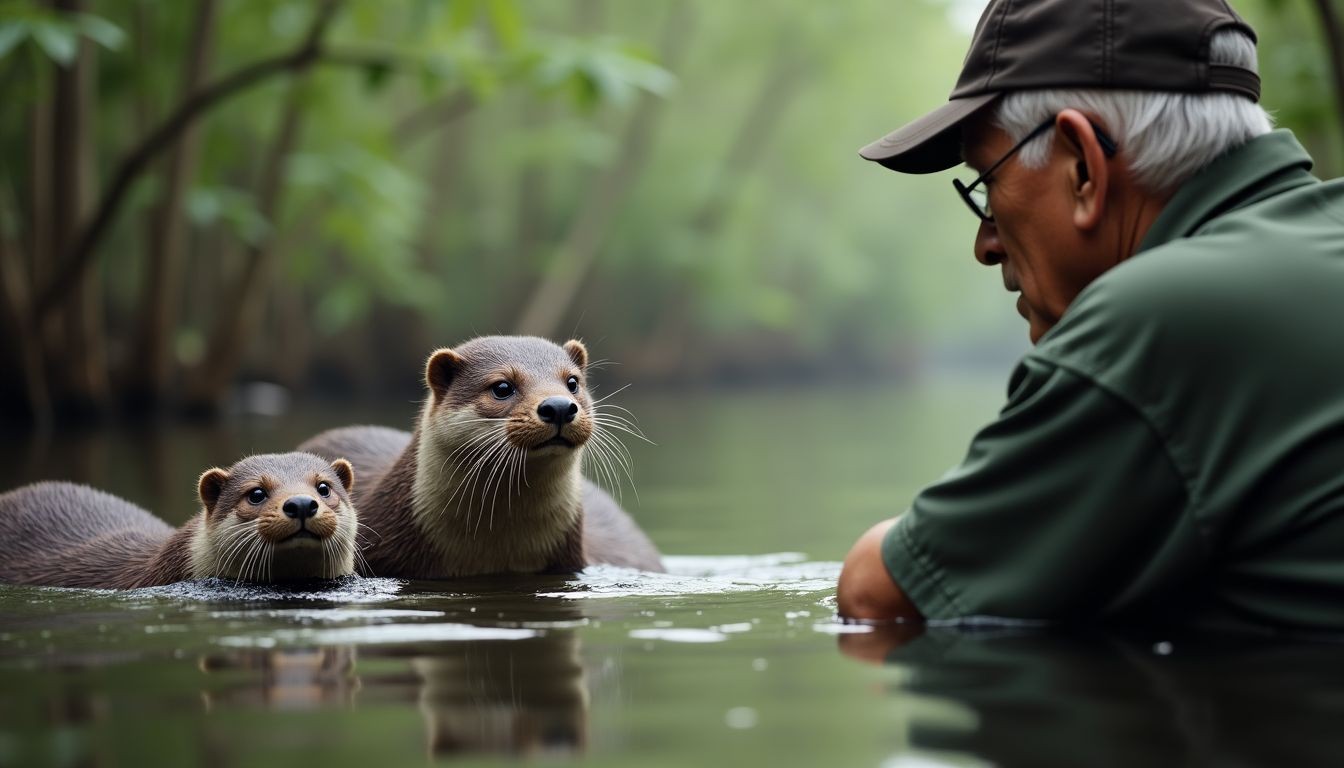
[(1173, 445)]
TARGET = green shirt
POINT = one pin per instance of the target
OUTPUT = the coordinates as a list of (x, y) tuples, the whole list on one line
[(1174, 447)]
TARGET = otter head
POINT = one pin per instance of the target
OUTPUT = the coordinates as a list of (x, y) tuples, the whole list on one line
[(510, 398), (277, 517)]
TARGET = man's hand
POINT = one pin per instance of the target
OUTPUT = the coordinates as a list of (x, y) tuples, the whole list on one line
[(866, 590)]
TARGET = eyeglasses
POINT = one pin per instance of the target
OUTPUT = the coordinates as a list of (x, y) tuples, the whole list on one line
[(977, 196)]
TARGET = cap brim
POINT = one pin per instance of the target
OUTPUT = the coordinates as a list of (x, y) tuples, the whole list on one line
[(930, 144)]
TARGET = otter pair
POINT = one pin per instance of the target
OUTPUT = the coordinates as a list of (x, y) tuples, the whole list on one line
[(490, 481), (267, 518)]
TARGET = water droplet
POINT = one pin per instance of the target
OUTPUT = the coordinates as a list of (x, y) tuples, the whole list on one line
[(1163, 648), (741, 718)]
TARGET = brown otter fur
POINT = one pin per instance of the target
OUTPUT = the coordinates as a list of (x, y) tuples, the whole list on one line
[(484, 484), (68, 535)]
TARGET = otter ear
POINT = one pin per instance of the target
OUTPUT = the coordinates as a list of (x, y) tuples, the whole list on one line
[(345, 472), (211, 485), (577, 352), (441, 369)]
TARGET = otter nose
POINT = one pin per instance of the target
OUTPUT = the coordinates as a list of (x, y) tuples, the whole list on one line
[(557, 410), (300, 507)]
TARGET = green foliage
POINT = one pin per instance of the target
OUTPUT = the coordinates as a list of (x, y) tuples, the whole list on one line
[(56, 35), (446, 150)]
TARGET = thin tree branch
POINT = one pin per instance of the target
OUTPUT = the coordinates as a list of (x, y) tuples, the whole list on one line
[(437, 114), (81, 255)]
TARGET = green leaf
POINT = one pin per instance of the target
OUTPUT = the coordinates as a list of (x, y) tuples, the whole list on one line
[(11, 34), (462, 15), (100, 30), (507, 22), (376, 75), (58, 40)]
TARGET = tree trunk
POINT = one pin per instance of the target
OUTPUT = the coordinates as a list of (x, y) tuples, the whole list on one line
[(25, 387), (555, 293), (83, 248), (151, 367), (80, 359), (25, 371), (664, 354), (237, 321), (1332, 26)]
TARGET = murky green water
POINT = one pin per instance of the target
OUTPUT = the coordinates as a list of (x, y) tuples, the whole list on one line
[(733, 657)]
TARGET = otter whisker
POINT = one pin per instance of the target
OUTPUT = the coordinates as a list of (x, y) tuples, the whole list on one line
[(603, 421), (253, 558), (613, 406), (467, 483), (478, 441), (468, 450), (602, 465), (495, 467), (611, 394), (612, 473), (478, 459), (609, 413), (474, 460), (505, 474), (362, 526), (234, 544), (241, 574), (621, 456)]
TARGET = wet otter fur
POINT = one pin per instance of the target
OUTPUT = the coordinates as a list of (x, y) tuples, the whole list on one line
[(267, 518), (490, 480)]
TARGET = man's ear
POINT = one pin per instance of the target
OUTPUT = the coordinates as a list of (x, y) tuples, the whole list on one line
[(345, 472), (577, 352), (440, 371), (1089, 173), (210, 486)]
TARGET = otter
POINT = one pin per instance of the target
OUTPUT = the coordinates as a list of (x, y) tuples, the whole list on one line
[(490, 479), (276, 517)]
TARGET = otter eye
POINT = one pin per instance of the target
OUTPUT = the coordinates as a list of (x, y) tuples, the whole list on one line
[(256, 495), (502, 390), (323, 490), (573, 383)]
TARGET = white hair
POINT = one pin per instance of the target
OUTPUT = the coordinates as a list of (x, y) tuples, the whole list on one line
[(1164, 137)]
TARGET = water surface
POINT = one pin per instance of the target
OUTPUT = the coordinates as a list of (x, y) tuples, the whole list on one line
[(732, 657)]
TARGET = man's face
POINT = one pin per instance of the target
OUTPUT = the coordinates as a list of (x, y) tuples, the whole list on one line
[(1033, 239)]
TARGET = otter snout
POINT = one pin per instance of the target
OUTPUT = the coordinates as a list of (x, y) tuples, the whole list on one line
[(300, 507), (557, 410)]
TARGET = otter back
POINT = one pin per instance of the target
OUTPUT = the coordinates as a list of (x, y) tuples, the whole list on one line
[(63, 534)]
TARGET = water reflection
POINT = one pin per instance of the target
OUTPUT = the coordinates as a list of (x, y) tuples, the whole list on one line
[(1054, 698), (284, 679), (525, 698)]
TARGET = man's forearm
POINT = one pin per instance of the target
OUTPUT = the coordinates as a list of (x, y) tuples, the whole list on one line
[(866, 590)]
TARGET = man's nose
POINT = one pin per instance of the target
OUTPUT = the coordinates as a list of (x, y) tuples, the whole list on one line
[(988, 249)]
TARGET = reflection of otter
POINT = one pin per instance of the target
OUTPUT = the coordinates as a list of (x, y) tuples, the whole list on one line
[(501, 436), (1052, 697), (267, 518), (290, 678), (516, 697)]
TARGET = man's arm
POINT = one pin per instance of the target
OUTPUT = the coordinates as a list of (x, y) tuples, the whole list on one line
[(866, 591), (1067, 507)]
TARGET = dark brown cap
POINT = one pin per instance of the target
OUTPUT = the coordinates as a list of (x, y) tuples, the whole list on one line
[(1146, 45)]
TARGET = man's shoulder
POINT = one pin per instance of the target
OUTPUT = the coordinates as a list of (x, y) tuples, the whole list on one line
[(1202, 307)]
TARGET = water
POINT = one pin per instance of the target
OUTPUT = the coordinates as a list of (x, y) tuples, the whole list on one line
[(732, 657)]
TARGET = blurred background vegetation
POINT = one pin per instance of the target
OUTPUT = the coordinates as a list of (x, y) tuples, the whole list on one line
[(201, 194)]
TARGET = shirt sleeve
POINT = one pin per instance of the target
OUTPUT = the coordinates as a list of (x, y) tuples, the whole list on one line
[(1066, 507)]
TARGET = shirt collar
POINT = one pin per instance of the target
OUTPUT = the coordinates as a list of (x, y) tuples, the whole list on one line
[(1260, 168)]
